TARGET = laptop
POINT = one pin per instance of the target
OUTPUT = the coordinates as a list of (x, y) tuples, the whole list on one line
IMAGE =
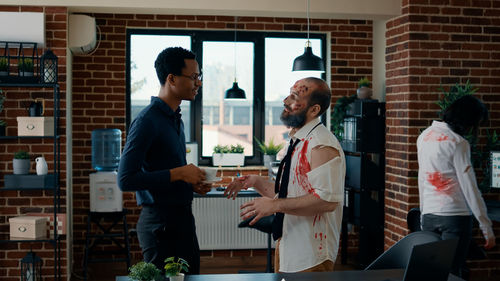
[(431, 261)]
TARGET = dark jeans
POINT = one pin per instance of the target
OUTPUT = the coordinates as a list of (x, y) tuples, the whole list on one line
[(450, 227), (168, 232)]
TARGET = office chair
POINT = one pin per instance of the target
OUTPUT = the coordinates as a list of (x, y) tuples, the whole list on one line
[(265, 224), (398, 255)]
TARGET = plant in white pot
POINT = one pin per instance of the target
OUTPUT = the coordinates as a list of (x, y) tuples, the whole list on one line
[(364, 91), (21, 163), (145, 271), (26, 67), (173, 268), (225, 155), (270, 150)]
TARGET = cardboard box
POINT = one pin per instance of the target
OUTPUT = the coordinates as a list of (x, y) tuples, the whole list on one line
[(61, 222), (35, 126), (28, 227)]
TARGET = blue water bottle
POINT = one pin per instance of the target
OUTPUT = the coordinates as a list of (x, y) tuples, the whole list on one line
[(106, 149)]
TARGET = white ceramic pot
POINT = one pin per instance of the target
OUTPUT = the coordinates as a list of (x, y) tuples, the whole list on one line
[(179, 277), (21, 166), (268, 159), (41, 166), (228, 159)]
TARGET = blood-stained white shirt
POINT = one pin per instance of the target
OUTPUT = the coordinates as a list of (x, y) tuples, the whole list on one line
[(446, 180), (310, 240)]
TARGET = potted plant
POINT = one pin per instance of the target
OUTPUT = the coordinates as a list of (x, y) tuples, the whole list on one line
[(3, 124), (224, 155), (4, 66), (174, 267), (26, 67), (364, 91), (144, 271), (21, 163), (270, 150)]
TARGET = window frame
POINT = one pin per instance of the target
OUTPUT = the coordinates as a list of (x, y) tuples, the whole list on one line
[(197, 39)]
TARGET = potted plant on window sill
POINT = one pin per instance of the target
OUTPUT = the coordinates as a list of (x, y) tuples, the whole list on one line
[(4, 66), (145, 271), (224, 155), (174, 267), (270, 150), (21, 163)]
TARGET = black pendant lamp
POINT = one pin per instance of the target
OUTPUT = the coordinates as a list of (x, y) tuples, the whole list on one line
[(308, 61), (235, 92)]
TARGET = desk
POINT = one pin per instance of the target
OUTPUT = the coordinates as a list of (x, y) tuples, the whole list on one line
[(369, 275), (493, 210)]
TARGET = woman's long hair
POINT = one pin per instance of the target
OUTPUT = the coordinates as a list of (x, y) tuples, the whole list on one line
[(465, 114)]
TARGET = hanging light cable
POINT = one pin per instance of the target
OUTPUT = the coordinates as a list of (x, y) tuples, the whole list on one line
[(308, 61), (235, 92)]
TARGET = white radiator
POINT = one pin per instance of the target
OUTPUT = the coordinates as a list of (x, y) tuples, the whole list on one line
[(217, 220)]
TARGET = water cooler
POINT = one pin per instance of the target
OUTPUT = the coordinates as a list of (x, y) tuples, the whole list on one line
[(105, 196)]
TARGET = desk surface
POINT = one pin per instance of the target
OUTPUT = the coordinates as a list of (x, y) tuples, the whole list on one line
[(369, 275), (493, 210)]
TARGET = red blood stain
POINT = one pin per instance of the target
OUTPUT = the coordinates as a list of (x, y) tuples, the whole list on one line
[(316, 235), (434, 136), (303, 168), (440, 182), (316, 217), (321, 236)]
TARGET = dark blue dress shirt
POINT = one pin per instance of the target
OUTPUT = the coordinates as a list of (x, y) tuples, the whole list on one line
[(155, 144)]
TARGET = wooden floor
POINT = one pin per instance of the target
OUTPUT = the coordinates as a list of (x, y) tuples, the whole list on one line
[(209, 265)]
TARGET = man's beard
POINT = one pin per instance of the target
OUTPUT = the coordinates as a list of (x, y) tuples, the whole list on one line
[(294, 120)]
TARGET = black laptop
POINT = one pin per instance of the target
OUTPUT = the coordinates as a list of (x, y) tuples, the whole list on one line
[(431, 261)]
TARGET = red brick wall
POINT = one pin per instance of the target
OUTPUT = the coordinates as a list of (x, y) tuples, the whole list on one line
[(434, 43), (15, 203), (99, 82)]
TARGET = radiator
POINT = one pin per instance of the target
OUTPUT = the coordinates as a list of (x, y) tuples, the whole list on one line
[(217, 220)]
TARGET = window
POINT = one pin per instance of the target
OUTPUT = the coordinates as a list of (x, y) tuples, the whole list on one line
[(260, 61)]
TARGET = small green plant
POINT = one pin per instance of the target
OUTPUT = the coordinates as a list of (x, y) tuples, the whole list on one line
[(221, 149), (226, 149), (2, 99), (236, 148), (173, 267), (21, 154), (4, 66), (364, 82), (270, 148), (144, 271), (25, 64)]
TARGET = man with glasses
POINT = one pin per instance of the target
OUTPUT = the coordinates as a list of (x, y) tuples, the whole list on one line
[(153, 164)]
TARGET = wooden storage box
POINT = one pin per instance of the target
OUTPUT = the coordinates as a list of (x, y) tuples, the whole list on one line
[(28, 227), (35, 126)]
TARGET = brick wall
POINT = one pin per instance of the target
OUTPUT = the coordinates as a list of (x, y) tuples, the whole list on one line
[(434, 43), (15, 203), (99, 83)]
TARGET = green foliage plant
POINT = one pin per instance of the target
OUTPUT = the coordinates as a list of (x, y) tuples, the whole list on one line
[(221, 149), (270, 148), (144, 271), (4, 66), (2, 99), (173, 267), (236, 148), (21, 154), (364, 82), (339, 113), (26, 65)]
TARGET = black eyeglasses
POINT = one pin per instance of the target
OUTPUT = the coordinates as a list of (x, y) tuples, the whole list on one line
[(194, 76)]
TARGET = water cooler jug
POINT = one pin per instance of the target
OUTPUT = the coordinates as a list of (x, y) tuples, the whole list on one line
[(105, 196)]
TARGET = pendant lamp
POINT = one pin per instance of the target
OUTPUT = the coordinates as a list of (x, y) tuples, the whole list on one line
[(308, 61), (235, 92)]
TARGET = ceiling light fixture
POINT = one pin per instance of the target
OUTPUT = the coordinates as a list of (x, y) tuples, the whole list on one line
[(235, 92), (308, 61)]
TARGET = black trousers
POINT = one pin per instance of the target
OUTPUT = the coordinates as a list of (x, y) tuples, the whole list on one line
[(169, 232), (450, 227)]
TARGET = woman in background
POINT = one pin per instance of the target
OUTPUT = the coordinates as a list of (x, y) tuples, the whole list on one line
[(446, 180)]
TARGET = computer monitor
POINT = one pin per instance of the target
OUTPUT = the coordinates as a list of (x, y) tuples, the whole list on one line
[(495, 169)]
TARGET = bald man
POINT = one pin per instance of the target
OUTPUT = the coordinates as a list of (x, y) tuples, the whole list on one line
[(308, 198)]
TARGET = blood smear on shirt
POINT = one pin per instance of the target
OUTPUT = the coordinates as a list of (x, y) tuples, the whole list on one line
[(303, 168), (440, 182), (433, 136)]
